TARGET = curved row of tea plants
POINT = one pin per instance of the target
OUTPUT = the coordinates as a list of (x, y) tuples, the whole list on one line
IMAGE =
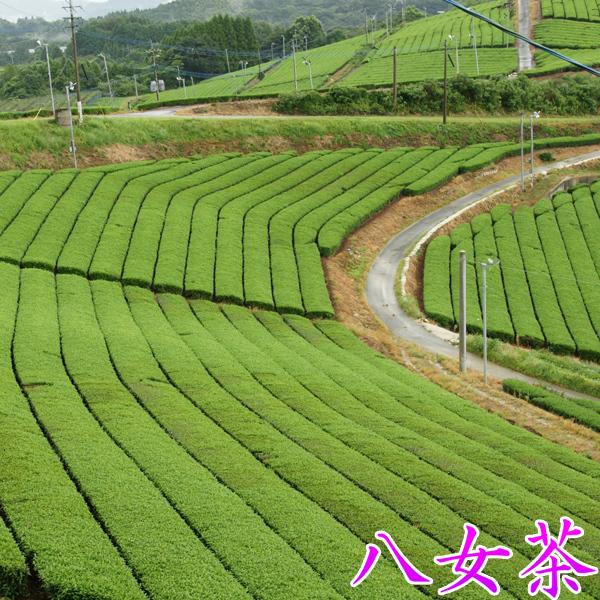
[(585, 412), (159, 448), (249, 229), (547, 288)]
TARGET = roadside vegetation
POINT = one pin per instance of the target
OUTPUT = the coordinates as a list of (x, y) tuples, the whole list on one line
[(564, 371), (40, 143)]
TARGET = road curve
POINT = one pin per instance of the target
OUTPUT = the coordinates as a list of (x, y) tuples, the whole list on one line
[(380, 289)]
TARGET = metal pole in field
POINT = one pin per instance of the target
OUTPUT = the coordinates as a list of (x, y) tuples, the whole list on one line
[(445, 82), (135, 83), (395, 77), (227, 59), (295, 65), (49, 76), (103, 56), (71, 127), (462, 317), (522, 152)]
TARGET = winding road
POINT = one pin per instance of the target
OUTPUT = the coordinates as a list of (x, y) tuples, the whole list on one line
[(380, 289)]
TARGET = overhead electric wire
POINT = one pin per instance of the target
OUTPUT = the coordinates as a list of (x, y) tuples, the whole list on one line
[(522, 37)]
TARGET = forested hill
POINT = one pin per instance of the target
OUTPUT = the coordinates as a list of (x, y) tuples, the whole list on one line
[(332, 13)]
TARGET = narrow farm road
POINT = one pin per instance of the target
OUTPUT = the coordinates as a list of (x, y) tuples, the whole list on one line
[(380, 289), (524, 49)]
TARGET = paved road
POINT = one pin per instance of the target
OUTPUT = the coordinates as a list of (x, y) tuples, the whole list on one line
[(380, 289), (524, 49)]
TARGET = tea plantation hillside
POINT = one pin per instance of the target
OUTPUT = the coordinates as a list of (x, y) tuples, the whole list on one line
[(571, 26), (155, 447), (158, 445), (547, 289), (355, 62), (248, 229)]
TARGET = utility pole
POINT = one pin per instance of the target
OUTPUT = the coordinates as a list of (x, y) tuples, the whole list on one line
[(73, 148), (395, 77), (445, 82), (103, 56), (295, 66), (474, 40), (49, 76), (522, 152), (462, 317), (154, 52), (260, 73), (73, 25), (534, 115), (227, 59)]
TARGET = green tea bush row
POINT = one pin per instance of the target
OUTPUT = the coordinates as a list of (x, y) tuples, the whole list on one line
[(246, 229), (354, 435), (527, 328), (584, 10), (436, 282), (50, 518), (237, 534), (545, 291), (585, 412), (106, 476), (237, 443)]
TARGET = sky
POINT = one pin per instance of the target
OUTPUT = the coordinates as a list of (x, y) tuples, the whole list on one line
[(52, 9)]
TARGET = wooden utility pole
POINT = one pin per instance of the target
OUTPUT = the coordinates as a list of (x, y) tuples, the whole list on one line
[(72, 19), (445, 82), (153, 52), (395, 76)]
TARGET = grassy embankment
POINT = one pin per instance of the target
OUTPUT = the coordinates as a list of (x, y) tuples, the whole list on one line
[(32, 144)]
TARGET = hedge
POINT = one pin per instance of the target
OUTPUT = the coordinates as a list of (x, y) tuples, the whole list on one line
[(437, 299), (585, 412)]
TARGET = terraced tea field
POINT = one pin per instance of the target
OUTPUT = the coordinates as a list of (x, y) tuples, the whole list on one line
[(249, 229), (156, 444), (419, 43), (547, 289), (184, 450)]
